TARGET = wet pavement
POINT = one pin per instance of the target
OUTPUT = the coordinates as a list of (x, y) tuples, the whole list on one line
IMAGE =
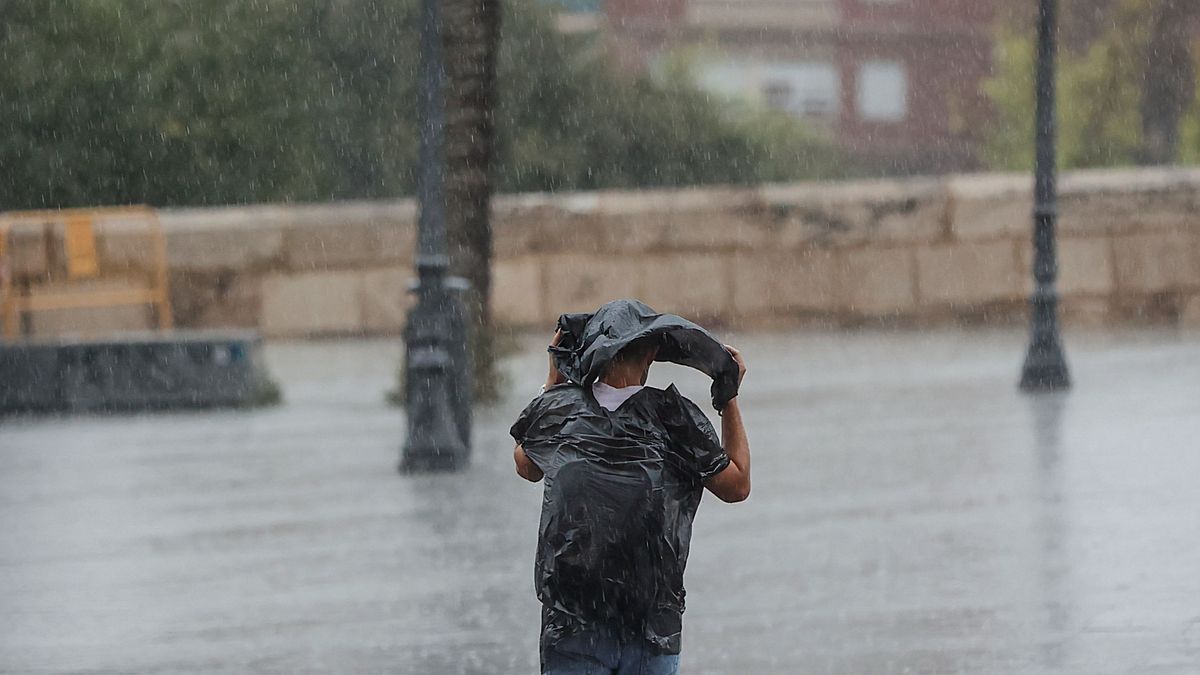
[(912, 513)]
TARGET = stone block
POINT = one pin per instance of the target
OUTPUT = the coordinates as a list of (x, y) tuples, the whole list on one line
[(965, 274), (224, 248), (624, 234), (315, 303), (856, 212), (990, 206), (1192, 272), (1090, 202), (220, 299), (1127, 211), (91, 321), (386, 299), (577, 282), (1086, 312), (707, 219), (231, 218), (126, 242), (704, 199), (537, 225), (1150, 309), (1189, 315), (1157, 261), (737, 225), (517, 292), (344, 242), (399, 212), (126, 249), (1085, 266), (512, 235), (877, 282), (349, 234), (1138, 179), (631, 202), (629, 222), (28, 252), (785, 281), (690, 284), (1129, 200), (550, 231)]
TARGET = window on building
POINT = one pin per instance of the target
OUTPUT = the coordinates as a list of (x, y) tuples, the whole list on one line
[(778, 94), (882, 91), (802, 88)]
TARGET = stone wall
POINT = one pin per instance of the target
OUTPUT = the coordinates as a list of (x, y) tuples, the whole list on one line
[(918, 251)]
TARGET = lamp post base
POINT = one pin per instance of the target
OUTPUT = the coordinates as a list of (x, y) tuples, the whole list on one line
[(432, 460), (1045, 368), (436, 386), (435, 443)]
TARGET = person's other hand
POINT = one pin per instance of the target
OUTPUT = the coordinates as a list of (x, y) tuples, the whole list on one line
[(741, 362), (554, 376)]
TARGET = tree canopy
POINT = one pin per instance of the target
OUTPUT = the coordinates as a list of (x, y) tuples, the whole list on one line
[(227, 101), (1125, 96)]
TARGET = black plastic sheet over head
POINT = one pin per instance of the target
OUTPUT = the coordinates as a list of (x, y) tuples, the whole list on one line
[(590, 341)]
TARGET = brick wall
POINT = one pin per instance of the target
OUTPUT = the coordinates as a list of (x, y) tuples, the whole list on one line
[(945, 48)]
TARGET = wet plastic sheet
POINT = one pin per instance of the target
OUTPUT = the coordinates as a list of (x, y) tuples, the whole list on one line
[(621, 487), (590, 341)]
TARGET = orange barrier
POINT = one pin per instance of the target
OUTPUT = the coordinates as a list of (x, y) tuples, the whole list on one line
[(27, 287)]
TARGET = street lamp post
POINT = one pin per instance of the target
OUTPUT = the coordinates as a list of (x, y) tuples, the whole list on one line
[(437, 386), (1045, 366)]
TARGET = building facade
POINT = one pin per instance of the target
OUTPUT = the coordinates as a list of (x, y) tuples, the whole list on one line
[(897, 83)]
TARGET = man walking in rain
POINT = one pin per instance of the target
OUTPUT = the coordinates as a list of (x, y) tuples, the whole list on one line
[(624, 467)]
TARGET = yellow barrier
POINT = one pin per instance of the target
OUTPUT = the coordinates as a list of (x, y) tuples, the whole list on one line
[(81, 247), (23, 292)]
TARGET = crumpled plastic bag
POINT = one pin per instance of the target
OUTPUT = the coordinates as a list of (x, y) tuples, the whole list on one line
[(590, 341)]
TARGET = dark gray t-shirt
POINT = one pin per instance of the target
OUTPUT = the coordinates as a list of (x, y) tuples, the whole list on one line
[(621, 490)]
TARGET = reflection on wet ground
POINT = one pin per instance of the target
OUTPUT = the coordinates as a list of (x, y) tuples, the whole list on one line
[(912, 513)]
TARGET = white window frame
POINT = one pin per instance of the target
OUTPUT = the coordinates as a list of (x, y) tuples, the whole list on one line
[(882, 91)]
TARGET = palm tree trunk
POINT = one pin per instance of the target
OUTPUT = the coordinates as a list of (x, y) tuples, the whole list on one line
[(471, 33), (1169, 80)]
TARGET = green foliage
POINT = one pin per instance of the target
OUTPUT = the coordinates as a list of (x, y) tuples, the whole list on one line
[(226, 101), (208, 101), (1009, 143), (1101, 112), (1099, 97), (1189, 131)]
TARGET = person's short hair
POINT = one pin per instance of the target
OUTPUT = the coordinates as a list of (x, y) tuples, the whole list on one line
[(637, 350)]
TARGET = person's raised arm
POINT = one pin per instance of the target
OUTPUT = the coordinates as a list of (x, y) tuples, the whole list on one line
[(554, 376), (525, 467), (733, 483)]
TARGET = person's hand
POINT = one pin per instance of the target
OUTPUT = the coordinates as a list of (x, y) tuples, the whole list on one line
[(554, 377), (741, 362)]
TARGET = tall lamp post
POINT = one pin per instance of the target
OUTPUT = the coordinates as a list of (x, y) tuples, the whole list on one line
[(1045, 366), (437, 384)]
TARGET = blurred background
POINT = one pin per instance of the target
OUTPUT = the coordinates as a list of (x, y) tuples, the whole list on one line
[(304, 114), (212, 214), (213, 102)]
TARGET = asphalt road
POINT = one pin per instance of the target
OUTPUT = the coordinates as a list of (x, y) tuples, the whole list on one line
[(912, 513)]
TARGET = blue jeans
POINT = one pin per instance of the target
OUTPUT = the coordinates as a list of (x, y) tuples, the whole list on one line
[(601, 653)]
